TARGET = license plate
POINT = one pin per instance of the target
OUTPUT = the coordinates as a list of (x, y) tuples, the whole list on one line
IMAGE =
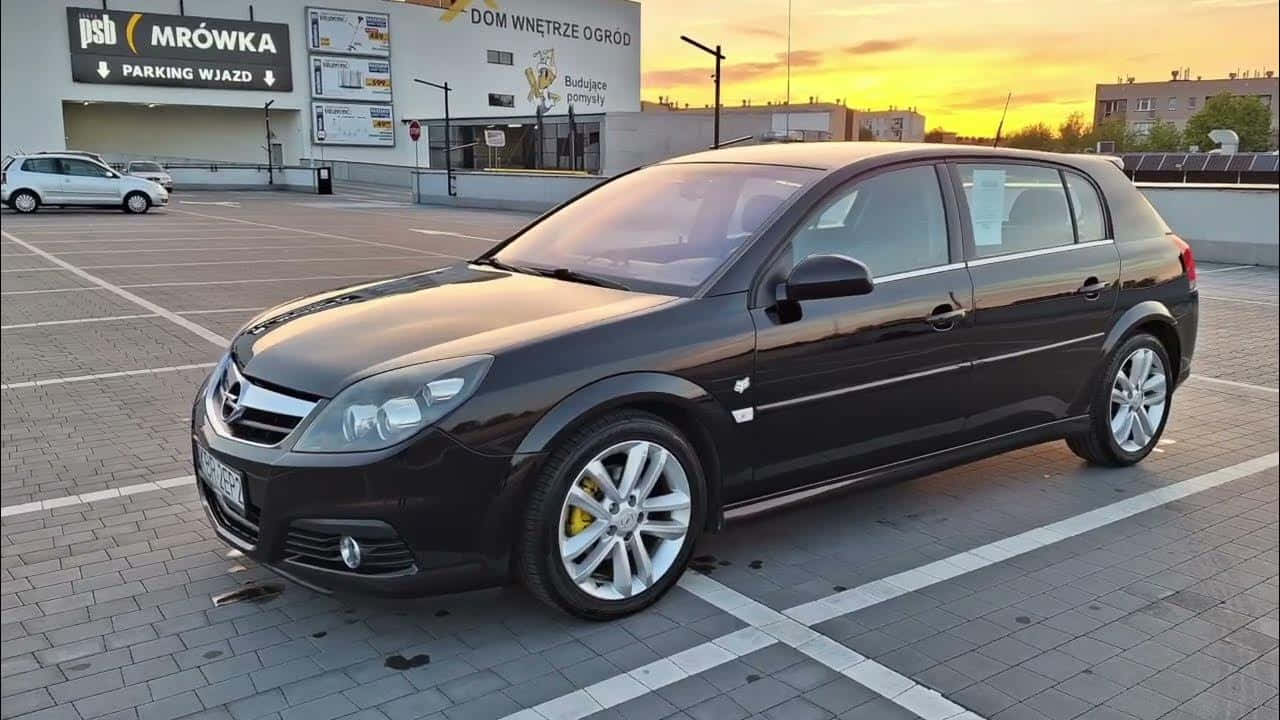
[(224, 481)]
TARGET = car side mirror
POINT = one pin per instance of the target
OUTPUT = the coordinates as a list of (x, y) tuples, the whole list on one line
[(825, 276)]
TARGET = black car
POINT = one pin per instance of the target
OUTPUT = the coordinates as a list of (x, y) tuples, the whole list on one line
[(576, 406)]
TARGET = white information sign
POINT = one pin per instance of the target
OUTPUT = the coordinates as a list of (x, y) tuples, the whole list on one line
[(348, 32), (352, 124), (986, 206), (349, 78), (495, 138)]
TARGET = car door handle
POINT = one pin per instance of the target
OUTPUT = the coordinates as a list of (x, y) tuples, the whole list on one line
[(944, 317), (1092, 288)]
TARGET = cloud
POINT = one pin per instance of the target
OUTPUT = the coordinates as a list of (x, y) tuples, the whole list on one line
[(756, 31), (871, 47), (733, 72), (995, 101)]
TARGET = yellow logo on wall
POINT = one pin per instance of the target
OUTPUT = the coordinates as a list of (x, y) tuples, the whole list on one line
[(460, 6), (540, 76)]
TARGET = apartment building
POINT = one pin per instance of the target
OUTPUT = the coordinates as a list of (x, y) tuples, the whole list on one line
[(1143, 104)]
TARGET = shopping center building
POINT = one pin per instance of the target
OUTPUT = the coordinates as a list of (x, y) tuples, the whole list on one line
[(205, 79)]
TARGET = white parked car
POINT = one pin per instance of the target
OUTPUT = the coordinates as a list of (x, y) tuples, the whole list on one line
[(152, 171), (63, 179)]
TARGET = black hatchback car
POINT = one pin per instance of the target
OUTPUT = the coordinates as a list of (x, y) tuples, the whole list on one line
[(574, 407)]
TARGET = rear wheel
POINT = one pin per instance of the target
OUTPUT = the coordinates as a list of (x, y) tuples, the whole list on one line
[(24, 201), (137, 203), (1130, 407), (613, 518)]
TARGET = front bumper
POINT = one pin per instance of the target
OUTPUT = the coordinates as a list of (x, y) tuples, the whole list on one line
[(435, 513)]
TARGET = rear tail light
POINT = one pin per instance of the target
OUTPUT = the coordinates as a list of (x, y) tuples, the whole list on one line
[(1188, 259)]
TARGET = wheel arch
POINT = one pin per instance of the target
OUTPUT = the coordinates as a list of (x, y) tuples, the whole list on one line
[(26, 188), (679, 401), (1153, 317)]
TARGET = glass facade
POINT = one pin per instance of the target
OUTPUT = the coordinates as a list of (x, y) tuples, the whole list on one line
[(555, 147)]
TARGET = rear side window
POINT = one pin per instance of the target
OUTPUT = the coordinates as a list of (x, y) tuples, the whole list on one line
[(892, 222), (1015, 208), (82, 168), (41, 165), (1088, 209)]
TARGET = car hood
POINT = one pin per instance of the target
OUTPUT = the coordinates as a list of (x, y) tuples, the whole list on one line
[(321, 344)]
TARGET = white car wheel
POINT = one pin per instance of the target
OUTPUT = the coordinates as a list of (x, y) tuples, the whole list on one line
[(137, 203)]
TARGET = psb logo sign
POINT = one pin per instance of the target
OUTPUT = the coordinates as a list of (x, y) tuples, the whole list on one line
[(97, 31), (460, 6)]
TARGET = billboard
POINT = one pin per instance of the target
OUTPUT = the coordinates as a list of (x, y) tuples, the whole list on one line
[(348, 32), (121, 47), (350, 78), (352, 124)]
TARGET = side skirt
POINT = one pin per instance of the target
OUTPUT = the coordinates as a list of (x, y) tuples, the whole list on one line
[(911, 468)]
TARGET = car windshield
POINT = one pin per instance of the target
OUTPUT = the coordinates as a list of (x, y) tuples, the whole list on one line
[(145, 167), (664, 229)]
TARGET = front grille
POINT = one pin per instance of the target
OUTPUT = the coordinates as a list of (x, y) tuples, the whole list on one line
[(243, 526), (253, 412), (381, 555)]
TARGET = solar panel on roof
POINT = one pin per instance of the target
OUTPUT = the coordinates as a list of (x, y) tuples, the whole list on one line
[(1173, 161), (1151, 161), (1195, 162), (1267, 163), (1131, 160), (1240, 163), (1217, 162)]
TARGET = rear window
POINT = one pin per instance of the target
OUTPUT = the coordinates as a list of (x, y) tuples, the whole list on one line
[(1015, 208), (41, 165), (1087, 207)]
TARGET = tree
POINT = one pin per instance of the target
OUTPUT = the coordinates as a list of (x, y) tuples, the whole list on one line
[(935, 135), (1246, 115), (1114, 130), (1162, 137), (1073, 133), (1032, 137)]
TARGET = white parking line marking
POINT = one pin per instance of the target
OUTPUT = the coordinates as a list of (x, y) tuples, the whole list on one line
[(176, 238), (792, 626), (1233, 383), (220, 249), (45, 292), (255, 280), (35, 269), (203, 332), (1226, 269), (249, 262), (85, 498), (103, 376), (324, 234), (77, 321), (1238, 300), (454, 234)]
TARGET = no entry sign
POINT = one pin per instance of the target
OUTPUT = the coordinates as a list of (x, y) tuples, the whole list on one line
[(415, 130)]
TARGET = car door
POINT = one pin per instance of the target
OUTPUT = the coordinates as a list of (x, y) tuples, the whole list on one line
[(90, 183), (46, 178), (1045, 273), (848, 384)]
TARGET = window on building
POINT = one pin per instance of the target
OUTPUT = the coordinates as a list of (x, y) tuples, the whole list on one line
[(1015, 208), (1191, 102), (1143, 128), (502, 100), (1146, 103), (501, 57), (1173, 103), (1113, 107)]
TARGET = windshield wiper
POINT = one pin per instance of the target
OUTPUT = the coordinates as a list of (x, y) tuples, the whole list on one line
[(581, 277), (494, 262)]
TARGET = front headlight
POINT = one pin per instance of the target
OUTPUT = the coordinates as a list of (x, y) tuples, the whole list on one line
[(381, 410)]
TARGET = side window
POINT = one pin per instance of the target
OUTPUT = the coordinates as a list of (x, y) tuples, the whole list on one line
[(1088, 209), (892, 222), (1015, 208), (82, 168), (41, 165)]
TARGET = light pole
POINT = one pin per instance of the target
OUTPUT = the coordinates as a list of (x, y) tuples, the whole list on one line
[(266, 110), (718, 56), (448, 151)]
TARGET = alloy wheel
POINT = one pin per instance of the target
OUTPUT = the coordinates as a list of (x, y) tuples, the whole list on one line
[(1138, 400), (137, 203), (25, 202), (625, 520)]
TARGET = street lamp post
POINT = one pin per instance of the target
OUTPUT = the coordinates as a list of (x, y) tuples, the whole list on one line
[(448, 151), (718, 56), (266, 110)]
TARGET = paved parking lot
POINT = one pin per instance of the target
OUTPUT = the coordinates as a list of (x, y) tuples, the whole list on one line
[(1023, 586)]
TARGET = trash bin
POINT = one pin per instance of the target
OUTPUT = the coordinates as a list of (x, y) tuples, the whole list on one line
[(324, 181)]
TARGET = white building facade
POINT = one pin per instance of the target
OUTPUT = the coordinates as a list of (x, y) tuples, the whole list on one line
[(191, 79)]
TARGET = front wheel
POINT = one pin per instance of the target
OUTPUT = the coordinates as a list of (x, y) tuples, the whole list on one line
[(137, 203), (1130, 407), (613, 518), (24, 201)]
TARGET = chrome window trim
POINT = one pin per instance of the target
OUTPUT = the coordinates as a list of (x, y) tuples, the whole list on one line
[(251, 396), (918, 273), (1036, 253), (924, 373)]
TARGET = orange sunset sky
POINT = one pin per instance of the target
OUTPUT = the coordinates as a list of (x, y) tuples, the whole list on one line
[(953, 59)]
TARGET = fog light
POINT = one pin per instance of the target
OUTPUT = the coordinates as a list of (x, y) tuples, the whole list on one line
[(350, 550)]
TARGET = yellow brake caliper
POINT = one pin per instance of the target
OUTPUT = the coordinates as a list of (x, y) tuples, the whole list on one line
[(580, 519)]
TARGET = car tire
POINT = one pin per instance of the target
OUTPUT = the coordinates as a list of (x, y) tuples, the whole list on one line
[(136, 203), (1125, 423), (24, 201), (666, 462)]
